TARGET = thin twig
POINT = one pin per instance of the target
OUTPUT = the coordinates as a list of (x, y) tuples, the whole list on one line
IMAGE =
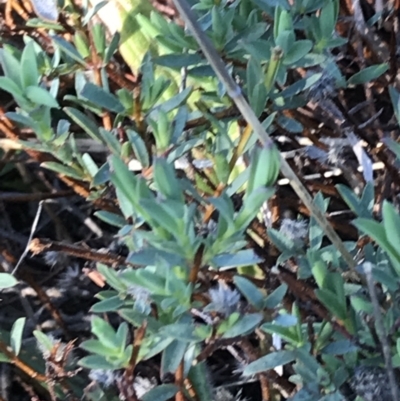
[(33, 197), (129, 374)]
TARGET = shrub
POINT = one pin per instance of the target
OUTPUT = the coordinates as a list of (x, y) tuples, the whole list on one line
[(186, 183)]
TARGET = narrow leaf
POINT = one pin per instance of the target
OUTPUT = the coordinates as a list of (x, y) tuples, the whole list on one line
[(269, 362)]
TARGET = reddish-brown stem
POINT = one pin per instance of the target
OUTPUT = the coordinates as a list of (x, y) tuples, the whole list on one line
[(196, 265), (9, 353), (40, 245), (179, 381), (127, 384)]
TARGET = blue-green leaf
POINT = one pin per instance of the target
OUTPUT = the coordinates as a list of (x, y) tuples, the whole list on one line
[(16, 334), (7, 280), (269, 361), (41, 96), (101, 97), (368, 74)]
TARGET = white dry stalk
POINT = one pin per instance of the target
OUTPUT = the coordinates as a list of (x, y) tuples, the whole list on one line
[(33, 229)]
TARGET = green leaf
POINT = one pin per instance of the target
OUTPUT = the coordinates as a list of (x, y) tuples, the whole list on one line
[(160, 215), (107, 305), (112, 47), (122, 336), (102, 98), (111, 141), (327, 19), (97, 362), (180, 331), (391, 222), (16, 334), (395, 97), (368, 74), (282, 21), (68, 49), (29, 69), (393, 146), (111, 218), (377, 232), (172, 357), (124, 180), (166, 181), (199, 377), (8, 85), (93, 11), (111, 277), (82, 44), (222, 169), (89, 164), (102, 176), (300, 85), (104, 332), (139, 147), (298, 50), (330, 300), (21, 119), (258, 168), (258, 98), (288, 334), (351, 199), (285, 40), (41, 96), (245, 257), (340, 347), (178, 60), (250, 291), (244, 325), (11, 66), (251, 206), (46, 342), (224, 206), (269, 362), (63, 169), (7, 280), (254, 75), (136, 318), (320, 273), (160, 393), (316, 233), (88, 125), (275, 298), (96, 347), (126, 206), (174, 102), (99, 38)]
